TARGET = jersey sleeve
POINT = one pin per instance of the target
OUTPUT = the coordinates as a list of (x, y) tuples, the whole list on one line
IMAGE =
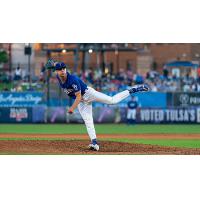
[(76, 86)]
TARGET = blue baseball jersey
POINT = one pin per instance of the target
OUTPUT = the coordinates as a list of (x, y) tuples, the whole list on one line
[(72, 85), (132, 104)]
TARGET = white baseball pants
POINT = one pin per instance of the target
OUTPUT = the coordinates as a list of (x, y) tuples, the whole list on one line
[(131, 114), (85, 106)]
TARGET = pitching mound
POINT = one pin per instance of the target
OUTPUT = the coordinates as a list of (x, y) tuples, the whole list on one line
[(80, 147)]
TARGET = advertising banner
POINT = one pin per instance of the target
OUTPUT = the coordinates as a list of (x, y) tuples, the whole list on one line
[(39, 114), (43, 114), (152, 99), (169, 115), (149, 99), (15, 115), (20, 99), (184, 99), (56, 115), (101, 115)]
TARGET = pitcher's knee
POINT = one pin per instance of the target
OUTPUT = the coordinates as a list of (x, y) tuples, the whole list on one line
[(110, 100), (113, 101)]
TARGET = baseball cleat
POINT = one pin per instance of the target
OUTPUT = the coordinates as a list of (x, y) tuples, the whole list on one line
[(94, 146), (139, 88)]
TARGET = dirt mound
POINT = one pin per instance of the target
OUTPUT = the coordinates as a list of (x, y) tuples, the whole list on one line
[(80, 147)]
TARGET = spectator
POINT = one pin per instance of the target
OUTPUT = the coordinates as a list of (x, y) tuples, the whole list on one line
[(138, 79), (165, 72), (18, 74), (161, 82), (153, 87), (186, 88)]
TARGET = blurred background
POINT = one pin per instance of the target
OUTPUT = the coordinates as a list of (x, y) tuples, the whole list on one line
[(29, 95)]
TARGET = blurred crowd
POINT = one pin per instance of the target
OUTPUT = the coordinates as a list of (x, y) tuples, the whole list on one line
[(18, 81), (158, 82), (163, 81), (167, 82)]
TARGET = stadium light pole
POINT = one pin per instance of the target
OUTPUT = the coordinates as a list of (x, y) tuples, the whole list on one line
[(29, 68), (28, 52), (10, 60), (117, 59), (83, 61), (197, 56), (76, 57), (47, 79)]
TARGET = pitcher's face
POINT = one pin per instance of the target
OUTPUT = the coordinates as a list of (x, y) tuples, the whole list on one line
[(61, 73)]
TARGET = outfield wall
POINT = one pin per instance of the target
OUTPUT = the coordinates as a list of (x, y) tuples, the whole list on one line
[(146, 100), (155, 107), (43, 114), (29, 99)]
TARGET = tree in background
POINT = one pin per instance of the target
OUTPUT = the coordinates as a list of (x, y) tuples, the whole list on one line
[(3, 57)]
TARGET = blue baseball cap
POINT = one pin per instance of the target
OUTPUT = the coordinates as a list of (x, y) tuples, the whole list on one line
[(60, 65)]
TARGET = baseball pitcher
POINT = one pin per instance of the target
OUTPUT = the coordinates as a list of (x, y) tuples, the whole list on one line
[(83, 97)]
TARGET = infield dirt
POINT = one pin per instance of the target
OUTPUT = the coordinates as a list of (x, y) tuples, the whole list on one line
[(78, 145)]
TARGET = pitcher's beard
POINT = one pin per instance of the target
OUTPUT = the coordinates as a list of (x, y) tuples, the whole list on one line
[(63, 78)]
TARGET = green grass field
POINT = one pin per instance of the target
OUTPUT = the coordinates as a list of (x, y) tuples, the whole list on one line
[(100, 128), (112, 129), (166, 142)]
